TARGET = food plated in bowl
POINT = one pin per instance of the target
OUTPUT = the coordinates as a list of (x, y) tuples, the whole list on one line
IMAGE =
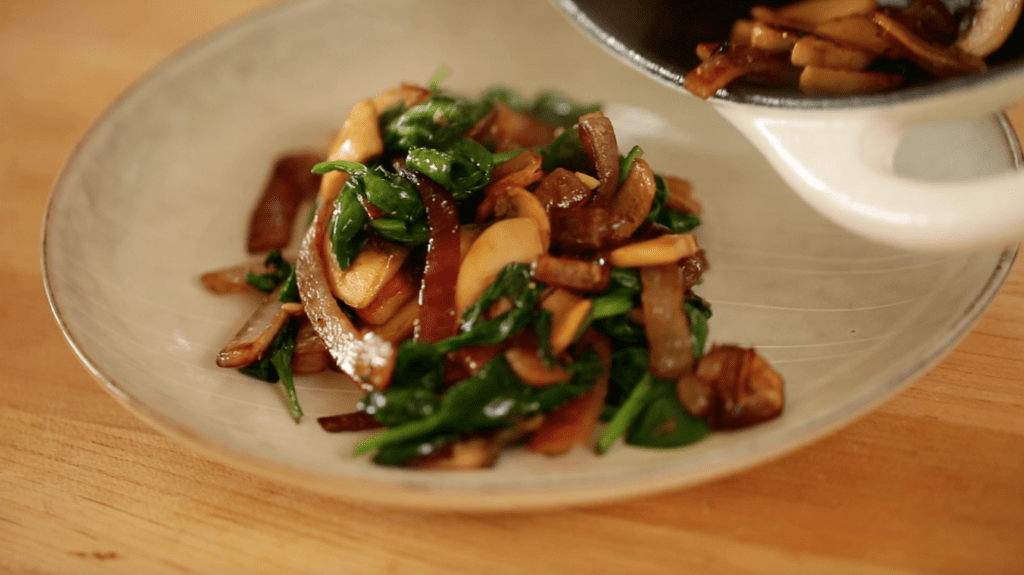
[(160, 189)]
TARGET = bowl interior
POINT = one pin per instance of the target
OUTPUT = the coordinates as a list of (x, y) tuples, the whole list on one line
[(161, 187)]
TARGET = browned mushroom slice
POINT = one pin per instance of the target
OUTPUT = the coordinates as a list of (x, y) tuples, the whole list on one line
[(732, 387), (938, 60), (529, 366), (661, 250), (574, 422), (358, 140), (392, 297), (354, 421), (255, 336), (929, 19), (519, 202), (370, 271), (561, 189), (772, 40), (476, 452), (666, 323), (401, 324), (310, 355), (681, 197), (582, 275), (522, 171), (859, 32), (726, 66), (815, 79), (568, 313), (740, 34), (504, 242), (814, 12), (601, 147), (273, 219), (993, 22), (232, 279), (813, 51), (506, 129)]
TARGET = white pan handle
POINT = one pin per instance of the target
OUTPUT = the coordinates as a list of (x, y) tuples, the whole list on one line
[(841, 163)]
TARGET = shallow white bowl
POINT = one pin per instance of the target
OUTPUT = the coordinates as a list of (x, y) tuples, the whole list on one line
[(161, 187)]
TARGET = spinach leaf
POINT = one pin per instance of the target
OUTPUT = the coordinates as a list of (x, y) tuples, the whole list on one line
[(399, 453), (663, 421), (557, 110), (623, 419), (626, 163), (507, 96), (565, 151), (462, 168), (434, 123), (346, 226), (513, 281), (276, 365), (493, 397), (679, 222), (698, 310), (414, 392), (279, 272)]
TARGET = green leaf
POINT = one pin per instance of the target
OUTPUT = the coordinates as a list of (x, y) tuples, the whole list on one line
[(664, 422), (558, 110), (513, 281), (346, 226), (626, 164), (276, 365), (279, 272), (698, 310), (623, 419), (462, 168), (434, 123)]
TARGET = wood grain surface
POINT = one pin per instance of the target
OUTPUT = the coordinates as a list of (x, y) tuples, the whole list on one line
[(930, 483)]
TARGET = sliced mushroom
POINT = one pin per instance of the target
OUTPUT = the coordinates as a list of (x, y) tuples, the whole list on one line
[(255, 336), (662, 250), (815, 79), (581, 275), (940, 61), (568, 313), (504, 242), (732, 387), (680, 196), (817, 11), (992, 24), (772, 40), (528, 365), (563, 189), (370, 271), (601, 147), (310, 355), (392, 297), (358, 140), (520, 202), (813, 51)]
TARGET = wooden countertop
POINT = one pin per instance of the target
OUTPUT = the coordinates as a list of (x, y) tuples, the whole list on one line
[(932, 482)]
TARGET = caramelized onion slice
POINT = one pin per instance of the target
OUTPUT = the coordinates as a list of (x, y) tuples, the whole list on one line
[(368, 359), (665, 321), (437, 319), (273, 220)]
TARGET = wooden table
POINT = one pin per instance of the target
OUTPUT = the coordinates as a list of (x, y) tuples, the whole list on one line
[(932, 482)]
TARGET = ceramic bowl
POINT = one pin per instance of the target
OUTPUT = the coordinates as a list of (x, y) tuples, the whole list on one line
[(160, 190)]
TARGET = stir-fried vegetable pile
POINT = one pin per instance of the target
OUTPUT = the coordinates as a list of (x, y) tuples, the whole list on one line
[(491, 271), (854, 46)]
